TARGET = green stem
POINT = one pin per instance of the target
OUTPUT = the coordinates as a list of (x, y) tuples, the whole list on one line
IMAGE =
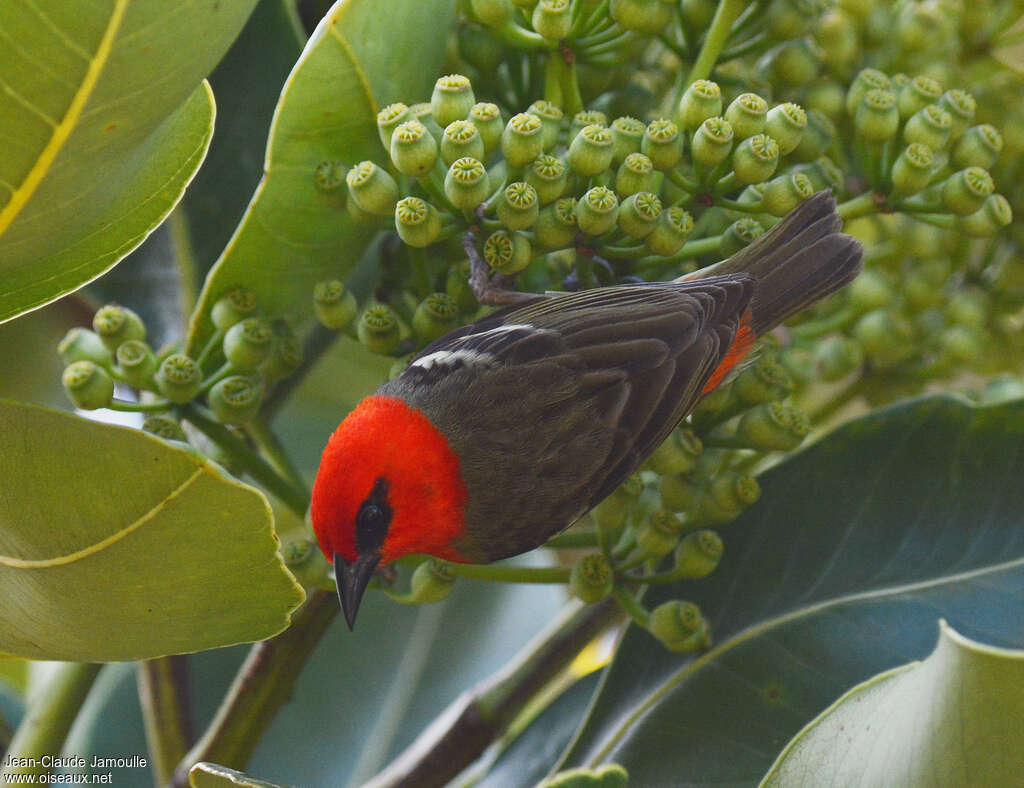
[(598, 15), (211, 345), (553, 78), (51, 710), (263, 684), (429, 183), (698, 248), (682, 181), (519, 37), (240, 454), (863, 205), (510, 574), (482, 714), (755, 42), (633, 608), (727, 183), (571, 89), (743, 207), (163, 696), (225, 370), (272, 449), (612, 32), (728, 11), (574, 539), (138, 407), (607, 46)]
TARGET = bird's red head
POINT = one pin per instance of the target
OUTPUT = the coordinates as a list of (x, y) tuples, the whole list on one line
[(388, 485)]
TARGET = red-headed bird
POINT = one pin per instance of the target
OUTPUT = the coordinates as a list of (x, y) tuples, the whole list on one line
[(504, 432)]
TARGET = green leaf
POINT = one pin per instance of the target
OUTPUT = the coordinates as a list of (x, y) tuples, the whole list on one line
[(213, 775), (954, 719), (115, 545), (28, 353), (110, 124), (857, 546), (363, 55)]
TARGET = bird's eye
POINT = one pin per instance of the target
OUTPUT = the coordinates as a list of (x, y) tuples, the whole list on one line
[(369, 515)]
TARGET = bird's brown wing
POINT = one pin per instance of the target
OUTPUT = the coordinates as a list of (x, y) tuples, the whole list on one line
[(550, 405)]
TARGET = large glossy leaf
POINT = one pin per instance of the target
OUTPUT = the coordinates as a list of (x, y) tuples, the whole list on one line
[(115, 545), (954, 719), (104, 123), (363, 55), (857, 546)]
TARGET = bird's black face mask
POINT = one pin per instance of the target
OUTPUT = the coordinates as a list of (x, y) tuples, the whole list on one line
[(372, 522)]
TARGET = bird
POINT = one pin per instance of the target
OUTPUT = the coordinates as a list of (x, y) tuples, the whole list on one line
[(507, 430)]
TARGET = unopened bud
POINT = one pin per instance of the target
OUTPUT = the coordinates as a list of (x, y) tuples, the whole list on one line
[(679, 626), (378, 329), (739, 235), (912, 170), (670, 233), (712, 143), (930, 126), (773, 426), (917, 94), (877, 119), (518, 206), (785, 123), (466, 184), (247, 344), (522, 140), (886, 336), (461, 139), (677, 454), (980, 146), (136, 363), (334, 306), (586, 117), (507, 253), (434, 317), (555, 227), (679, 493), (816, 138), (796, 62), (551, 121), (81, 344), (164, 427), (236, 399), (836, 357), (597, 210), (627, 134), (659, 534), (592, 578), (87, 385), (432, 582), (965, 192), (418, 223), (116, 324), (548, 176), (765, 381), (961, 107), (994, 214), (486, 118), (755, 159), (784, 192), (698, 555), (413, 149), (178, 378), (233, 307), (643, 16), (389, 119), (702, 100), (638, 214), (635, 174), (452, 99), (553, 18), (747, 115), (867, 79), (662, 143), (591, 150)]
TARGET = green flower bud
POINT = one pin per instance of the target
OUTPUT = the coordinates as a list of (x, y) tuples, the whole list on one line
[(164, 427), (413, 149), (590, 152), (930, 126), (235, 400), (697, 14), (740, 234), (489, 125), (670, 233), (87, 385), (136, 363), (627, 134), (747, 115), (522, 140), (698, 555), (796, 62), (334, 305), (179, 378), (886, 336), (836, 357), (785, 123), (912, 170), (286, 354), (867, 79), (635, 174), (980, 146), (643, 16), (702, 100), (466, 184), (922, 26), (961, 107), (677, 454), (920, 92), (965, 192), (828, 98), (548, 176), (247, 344), (838, 39), (553, 18), (659, 534), (418, 223), (116, 324), (784, 192), (679, 493), (436, 315), (994, 214), (730, 493), (518, 206), (389, 119), (662, 144), (712, 143), (586, 117), (755, 159), (329, 175), (597, 211), (765, 381), (790, 18), (824, 174), (638, 214), (378, 329), (373, 188), (507, 253), (452, 99), (493, 13), (816, 139), (551, 120), (460, 140), (970, 307), (432, 582), (773, 426), (592, 578), (679, 626), (555, 227), (81, 344), (877, 119), (477, 47)]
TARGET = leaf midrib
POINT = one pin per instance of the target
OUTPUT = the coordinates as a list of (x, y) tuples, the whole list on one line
[(62, 131)]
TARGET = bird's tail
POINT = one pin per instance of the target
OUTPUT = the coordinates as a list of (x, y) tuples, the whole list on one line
[(801, 260)]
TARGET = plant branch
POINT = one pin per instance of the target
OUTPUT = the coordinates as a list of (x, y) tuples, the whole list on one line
[(51, 710), (726, 14), (163, 696), (481, 715), (262, 685), (510, 574)]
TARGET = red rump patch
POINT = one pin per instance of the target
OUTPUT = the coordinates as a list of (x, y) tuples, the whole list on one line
[(385, 437), (741, 343)]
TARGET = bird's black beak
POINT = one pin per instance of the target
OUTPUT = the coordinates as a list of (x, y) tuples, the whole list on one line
[(352, 579)]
